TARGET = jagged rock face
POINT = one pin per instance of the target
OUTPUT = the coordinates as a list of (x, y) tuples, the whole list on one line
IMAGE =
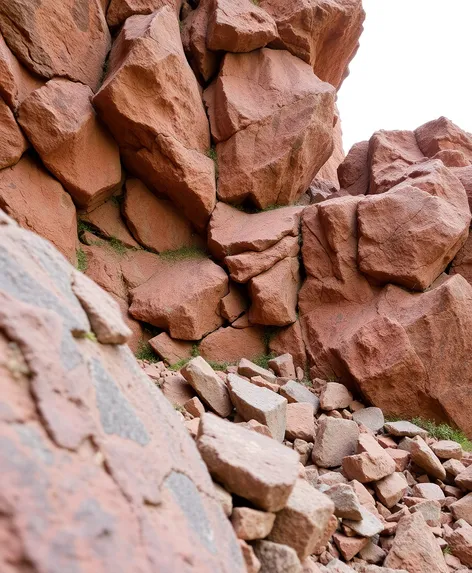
[(103, 453)]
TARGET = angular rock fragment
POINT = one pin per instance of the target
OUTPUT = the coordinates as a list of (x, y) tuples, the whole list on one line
[(346, 502), (296, 392), (166, 150), (460, 542), (248, 464), (12, 142), (335, 396), (368, 526), (372, 418), (303, 521), (349, 547), (253, 565), (283, 366), (371, 463), (462, 508), (61, 123), (170, 350), (353, 172), (228, 344), (119, 10), (249, 369), (208, 385), (300, 422), (404, 428), (239, 26), (447, 450), (250, 524), (335, 439), (424, 457), (277, 558), (107, 219), (391, 489), (182, 297), (255, 403), (431, 510), (234, 303), (441, 135)]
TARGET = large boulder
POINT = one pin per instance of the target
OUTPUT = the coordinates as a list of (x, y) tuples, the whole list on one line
[(151, 102), (12, 142), (353, 172), (273, 135), (462, 264), (119, 10), (182, 297), (61, 123), (68, 38), (229, 344), (442, 135), (39, 203), (104, 453), (324, 33)]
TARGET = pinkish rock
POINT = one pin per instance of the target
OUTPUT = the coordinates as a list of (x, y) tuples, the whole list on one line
[(234, 304), (296, 392), (274, 294), (208, 385), (259, 381), (430, 491), (255, 426), (248, 464), (424, 457), (462, 263), (405, 428), (325, 34), (247, 265), (166, 150), (441, 134), (170, 350), (277, 558), (255, 403), (290, 339), (415, 548), (177, 390), (196, 408), (17, 81), (107, 219), (368, 526), (119, 10), (346, 502), (300, 422), (228, 344), (239, 26), (400, 457), (353, 172), (272, 139), (39, 203), (204, 62), (335, 396), (103, 312), (302, 522), (182, 297), (431, 510), (231, 232), (249, 369), (103, 266), (250, 524), (283, 366), (391, 489), (462, 508), (349, 547), (372, 418), (454, 467), (335, 439), (74, 48), (61, 123), (156, 223), (139, 266), (460, 542), (371, 463), (12, 142), (447, 450), (464, 478), (253, 565)]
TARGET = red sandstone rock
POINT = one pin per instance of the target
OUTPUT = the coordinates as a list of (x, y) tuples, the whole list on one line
[(74, 47), (415, 548), (231, 232), (391, 489), (353, 172), (247, 265), (39, 203), (274, 294), (163, 136), (234, 303), (442, 134), (462, 263), (107, 219), (204, 62), (119, 10), (231, 344), (239, 26), (335, 439), (60, 122), (138, 267), (371, 463), (103, 267), (182, 297), (12, 142), (290, 340), (253, 565), (272, 138), (300, 422), (325, 34), (283, 366), (335, 396), (16, 82), (462, 508), (156, 223), (464, 174), (251, 524), (460, 542), (328, 174), (276, 557), (248, 464), (249, 369), (170, 350)]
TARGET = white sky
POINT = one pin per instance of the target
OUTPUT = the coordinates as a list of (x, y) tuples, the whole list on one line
[(414, 64)]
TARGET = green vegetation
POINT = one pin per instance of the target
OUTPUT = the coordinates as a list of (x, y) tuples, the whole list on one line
[(222, 366), (90, 336), (447, 550), (83, 226), (178, 365), (117, 246), (211, 153), (272, 207), (444, 432), (183, 254), (81, 260), (263, 360), (255, 2), (269, 333), (145, 352), (195, 351)]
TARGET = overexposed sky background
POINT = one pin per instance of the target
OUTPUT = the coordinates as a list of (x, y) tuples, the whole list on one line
[(414, 64)]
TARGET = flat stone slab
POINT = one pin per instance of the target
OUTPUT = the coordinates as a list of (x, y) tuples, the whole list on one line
[(296, 392), (371, 418), (405, 429)]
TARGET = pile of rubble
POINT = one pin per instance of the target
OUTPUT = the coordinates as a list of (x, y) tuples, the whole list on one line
[(313, 481)]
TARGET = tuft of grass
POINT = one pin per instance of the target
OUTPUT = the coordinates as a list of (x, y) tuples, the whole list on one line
[(83, 226), (269, 333), (81, 260), (117, 245), (195, 351), (444, 432), (447, 550), (255, 2), (145, 352), (178, 365), (263, 360), (211, 153), (272, 207), (183, 254), (222, 366), (90, 336)]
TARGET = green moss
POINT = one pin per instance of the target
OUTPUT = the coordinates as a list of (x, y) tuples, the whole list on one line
[(269, 333), (117, 246), (195, 351), (263, 360), (221, 366), (273, 207), (444, 432), (178, 365), (83, 226), (145, 352), (447, 550), (183, 254), (81, 260), (90, 336), (211, 153)]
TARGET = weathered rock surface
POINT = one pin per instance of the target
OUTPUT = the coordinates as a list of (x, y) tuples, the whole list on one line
[(248, 464), (335, 439), (251, 524), (75, 47), (182, 297), (277, 558), (61, 123), (119, 10), (296, 392), (12, 142), (353, 172), (60, 393), (163, 136), (39, 203), (155, 223), (272, 138), (300, 422), (107, 220), (170, 350), (442, 135), (228, 344)]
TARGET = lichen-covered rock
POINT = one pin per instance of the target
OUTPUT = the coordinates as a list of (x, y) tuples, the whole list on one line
[(164, 135), (68, 39), (106, 455)]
